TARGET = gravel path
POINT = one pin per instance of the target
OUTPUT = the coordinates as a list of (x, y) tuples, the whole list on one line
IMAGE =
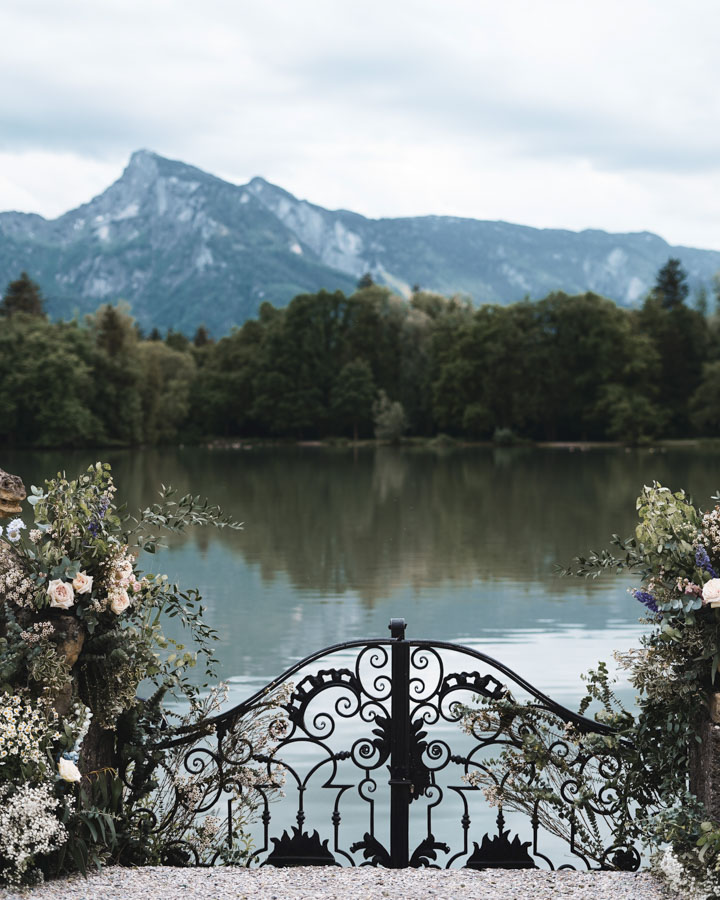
[(325, 883)]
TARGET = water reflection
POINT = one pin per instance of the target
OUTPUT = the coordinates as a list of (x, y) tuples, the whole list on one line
[(381, 520), (462, 543)]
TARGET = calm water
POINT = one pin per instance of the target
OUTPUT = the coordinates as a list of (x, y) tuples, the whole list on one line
[(461, 543)]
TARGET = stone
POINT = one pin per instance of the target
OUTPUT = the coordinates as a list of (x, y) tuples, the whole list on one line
[(12, 494)]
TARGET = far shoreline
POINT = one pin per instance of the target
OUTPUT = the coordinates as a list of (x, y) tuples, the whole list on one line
[(440, 442)]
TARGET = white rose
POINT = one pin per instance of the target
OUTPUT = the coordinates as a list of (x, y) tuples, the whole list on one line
[(61, 594), (82, 583), (711, 592), (119, 600), (67, 770)]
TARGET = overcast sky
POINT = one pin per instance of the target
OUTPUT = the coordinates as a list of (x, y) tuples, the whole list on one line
[(553, 113)]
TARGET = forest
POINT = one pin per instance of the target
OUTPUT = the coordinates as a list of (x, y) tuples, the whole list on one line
[(371, 364)]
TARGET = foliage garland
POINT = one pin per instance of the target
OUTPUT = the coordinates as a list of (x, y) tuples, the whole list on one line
[(80, 629), (676, 553)]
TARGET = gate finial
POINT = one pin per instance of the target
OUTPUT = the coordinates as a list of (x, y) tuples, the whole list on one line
[(397, 629)]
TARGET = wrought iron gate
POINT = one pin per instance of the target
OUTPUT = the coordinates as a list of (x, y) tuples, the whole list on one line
[(391, 707)]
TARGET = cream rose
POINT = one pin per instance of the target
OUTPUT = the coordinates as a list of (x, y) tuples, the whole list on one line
[(82, 583), (124, 572), (61, 594), (67, 770), (119, 600), (711, 592)]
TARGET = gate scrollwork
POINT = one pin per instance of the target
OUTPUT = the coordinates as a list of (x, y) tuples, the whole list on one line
[(376, 770)]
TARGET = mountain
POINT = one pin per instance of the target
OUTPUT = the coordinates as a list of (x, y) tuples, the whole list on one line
[(184, 247)]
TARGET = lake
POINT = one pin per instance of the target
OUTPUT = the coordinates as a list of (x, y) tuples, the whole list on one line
[(460, 542)]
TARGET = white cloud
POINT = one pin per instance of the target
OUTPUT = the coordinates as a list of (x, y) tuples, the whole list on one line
[(51, 183), (557, 113)]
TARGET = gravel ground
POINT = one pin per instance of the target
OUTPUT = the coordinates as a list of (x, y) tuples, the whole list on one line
[(326, 883)]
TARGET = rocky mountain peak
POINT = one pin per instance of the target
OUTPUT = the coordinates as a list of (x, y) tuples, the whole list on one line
[(184, 247), (142, 164)]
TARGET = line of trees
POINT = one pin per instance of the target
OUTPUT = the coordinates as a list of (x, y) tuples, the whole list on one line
[(562, 368)]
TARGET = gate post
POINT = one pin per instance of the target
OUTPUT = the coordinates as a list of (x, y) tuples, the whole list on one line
[(400, 785)]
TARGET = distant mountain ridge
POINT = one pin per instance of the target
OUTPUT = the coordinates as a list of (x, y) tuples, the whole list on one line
[(184, 247)]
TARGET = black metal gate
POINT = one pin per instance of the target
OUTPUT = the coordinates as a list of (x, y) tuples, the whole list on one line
[(388, 714)]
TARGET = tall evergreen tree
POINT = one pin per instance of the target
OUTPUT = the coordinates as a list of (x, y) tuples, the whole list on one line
[(680, 337), (22, 296), (671, 285), (202, 337)]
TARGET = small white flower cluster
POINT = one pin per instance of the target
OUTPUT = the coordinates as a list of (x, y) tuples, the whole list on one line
[(23, 730), (189, 792), (206, 831), (35, 535), (204, 707), (29, 828), (17, 586), (710, 535), (38, 633), (249, 776), (682, 882)]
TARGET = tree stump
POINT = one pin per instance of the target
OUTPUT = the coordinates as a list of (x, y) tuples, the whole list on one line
[(705, 759)]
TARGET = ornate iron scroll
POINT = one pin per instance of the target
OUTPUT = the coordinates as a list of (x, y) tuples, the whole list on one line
[(374, 768)]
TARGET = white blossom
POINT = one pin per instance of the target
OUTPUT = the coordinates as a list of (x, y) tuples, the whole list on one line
[(29, 828)]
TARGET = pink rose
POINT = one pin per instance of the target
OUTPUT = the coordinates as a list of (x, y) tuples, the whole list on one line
[(61, 594), (82, 583), (711, 592), (119, 600)]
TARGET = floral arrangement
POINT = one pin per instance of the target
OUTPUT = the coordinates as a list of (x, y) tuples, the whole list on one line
[(675, 553), (80, 629)]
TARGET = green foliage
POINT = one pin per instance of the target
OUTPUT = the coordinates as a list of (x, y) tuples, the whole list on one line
[(164, 389), (562, 368), (117, 374), (705, 402), (48, 392), (352, 395), (676, 552)]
